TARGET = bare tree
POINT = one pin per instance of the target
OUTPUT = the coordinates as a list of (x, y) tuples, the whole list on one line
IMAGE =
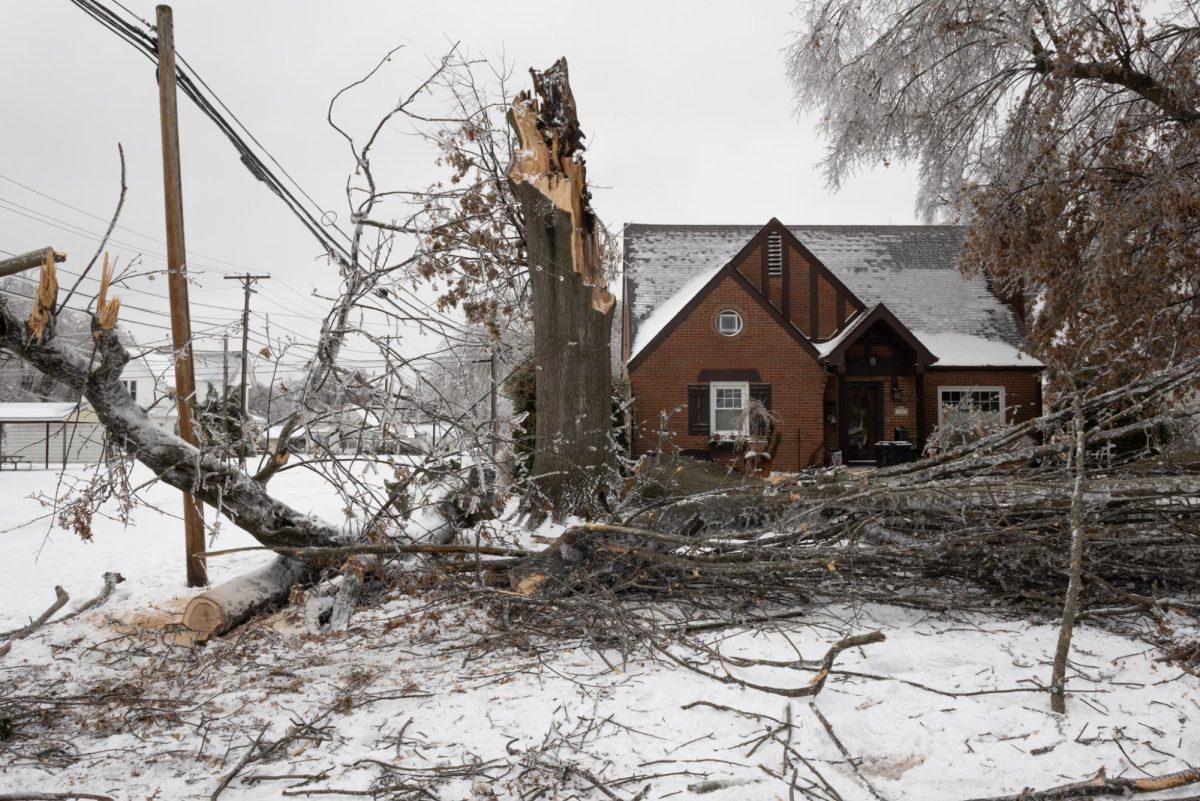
[(1066, 132)]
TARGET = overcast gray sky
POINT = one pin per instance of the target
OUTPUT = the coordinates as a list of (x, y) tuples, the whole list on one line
[(688, 116)]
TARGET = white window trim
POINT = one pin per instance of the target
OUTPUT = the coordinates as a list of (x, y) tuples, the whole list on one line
[(741, 322), (744, 386), (1003, 400)]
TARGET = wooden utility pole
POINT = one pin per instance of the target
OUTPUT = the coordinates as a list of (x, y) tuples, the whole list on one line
[(225, 389), (181, 326), (247, 281)]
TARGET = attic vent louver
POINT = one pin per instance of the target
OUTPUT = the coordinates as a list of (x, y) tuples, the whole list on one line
[(774, 255)]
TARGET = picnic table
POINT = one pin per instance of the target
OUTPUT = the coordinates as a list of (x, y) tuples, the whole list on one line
[(15, 462)]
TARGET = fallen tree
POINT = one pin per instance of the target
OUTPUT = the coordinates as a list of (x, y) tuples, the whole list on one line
[(946, 532)]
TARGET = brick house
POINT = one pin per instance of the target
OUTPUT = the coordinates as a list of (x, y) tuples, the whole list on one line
[(850, 335)]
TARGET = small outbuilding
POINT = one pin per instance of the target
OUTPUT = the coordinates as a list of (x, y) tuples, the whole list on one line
[(49, 433)]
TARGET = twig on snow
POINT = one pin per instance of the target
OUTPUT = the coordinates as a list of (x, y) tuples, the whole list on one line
[(851, 761), (59, 602), (814, 686)]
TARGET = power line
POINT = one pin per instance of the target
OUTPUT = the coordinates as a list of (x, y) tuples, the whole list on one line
[(147, 46), (191, 84), (105, 220)]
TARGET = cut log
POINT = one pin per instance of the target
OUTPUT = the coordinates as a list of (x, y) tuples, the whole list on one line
[(220, 609)]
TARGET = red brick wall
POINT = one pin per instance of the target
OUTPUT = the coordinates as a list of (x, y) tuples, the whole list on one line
[(797, 382), (751, 267), (827, 321), (1022, 391), (798, 269), (800, 386)]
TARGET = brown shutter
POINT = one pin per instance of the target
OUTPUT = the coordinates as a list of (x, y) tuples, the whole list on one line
[(762, 394), (697, 408)]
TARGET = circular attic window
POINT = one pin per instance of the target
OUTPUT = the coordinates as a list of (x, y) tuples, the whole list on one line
[(729, 323)]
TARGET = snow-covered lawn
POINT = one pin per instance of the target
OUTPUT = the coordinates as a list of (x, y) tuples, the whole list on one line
[(406, 698)]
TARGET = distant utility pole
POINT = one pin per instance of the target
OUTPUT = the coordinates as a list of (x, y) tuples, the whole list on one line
[(247, 281), (181, 326), (225, 389)]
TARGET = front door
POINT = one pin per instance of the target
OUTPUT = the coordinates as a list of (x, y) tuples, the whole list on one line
[(864, 421)]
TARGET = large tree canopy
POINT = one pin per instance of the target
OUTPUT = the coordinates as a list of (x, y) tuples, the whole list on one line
[(1064, 132)]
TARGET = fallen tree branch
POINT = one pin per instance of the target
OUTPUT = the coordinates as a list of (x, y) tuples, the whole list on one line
[(851, 761), (111, 580), (315, 554), (1100, 785), (37, 623), (97, 375), (27, 261), (52, 796), (815, 685)]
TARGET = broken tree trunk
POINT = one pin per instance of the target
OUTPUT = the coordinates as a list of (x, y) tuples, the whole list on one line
[(240, 497), (97, 376), (223, 607), (27, 261), (572, 307)]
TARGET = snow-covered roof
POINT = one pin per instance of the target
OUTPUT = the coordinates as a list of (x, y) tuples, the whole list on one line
[(828, 346), (965, 350), (666, 311), (47, 412), (911, 268)]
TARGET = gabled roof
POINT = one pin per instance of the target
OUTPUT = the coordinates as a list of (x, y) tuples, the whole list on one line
[(675, 310), (834, 351), (911, 268)]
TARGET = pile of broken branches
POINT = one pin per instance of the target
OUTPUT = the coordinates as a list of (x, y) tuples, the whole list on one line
[(981, 527)]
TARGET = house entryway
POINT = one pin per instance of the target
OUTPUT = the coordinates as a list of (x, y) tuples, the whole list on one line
[(863, 416)]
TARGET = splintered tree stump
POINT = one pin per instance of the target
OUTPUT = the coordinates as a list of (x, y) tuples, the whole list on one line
[(572, 307), (224, 607)]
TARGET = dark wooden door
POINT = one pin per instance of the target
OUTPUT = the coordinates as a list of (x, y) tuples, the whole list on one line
[(864, 421)]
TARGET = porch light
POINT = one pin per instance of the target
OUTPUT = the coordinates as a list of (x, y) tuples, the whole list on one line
[(895, 389)]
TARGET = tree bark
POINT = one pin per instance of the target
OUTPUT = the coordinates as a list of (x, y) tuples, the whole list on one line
[(97, 376), (27, 261), (572, 308), (1058, 677), (237, 600)]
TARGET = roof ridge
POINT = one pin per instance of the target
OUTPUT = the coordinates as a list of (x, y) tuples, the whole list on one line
[(758, 226)]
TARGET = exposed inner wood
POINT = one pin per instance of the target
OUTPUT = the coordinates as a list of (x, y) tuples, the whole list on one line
[(549, 159), (225, 606)]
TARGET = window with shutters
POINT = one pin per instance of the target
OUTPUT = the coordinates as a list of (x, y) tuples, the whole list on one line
[(728, 402), (719, 408)]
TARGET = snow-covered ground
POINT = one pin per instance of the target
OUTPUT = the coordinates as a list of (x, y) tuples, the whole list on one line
[(946, 707)]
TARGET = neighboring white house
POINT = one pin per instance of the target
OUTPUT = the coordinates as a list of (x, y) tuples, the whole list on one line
[(51, 433)]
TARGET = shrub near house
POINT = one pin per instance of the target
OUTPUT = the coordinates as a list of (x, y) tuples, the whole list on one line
[(850, 335)]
